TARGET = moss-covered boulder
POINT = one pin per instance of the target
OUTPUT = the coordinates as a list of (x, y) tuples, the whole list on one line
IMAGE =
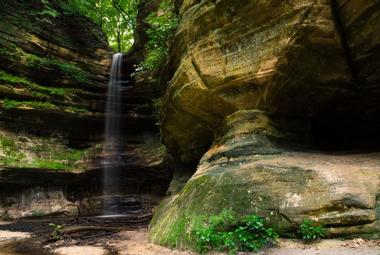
[(247, 170)]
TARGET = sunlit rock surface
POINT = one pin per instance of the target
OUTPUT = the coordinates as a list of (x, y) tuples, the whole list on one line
[(279, 102)]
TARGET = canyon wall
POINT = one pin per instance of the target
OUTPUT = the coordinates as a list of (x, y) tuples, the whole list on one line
[(277, 101)]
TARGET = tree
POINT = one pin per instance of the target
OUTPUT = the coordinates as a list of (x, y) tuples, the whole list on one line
[(117, 18)]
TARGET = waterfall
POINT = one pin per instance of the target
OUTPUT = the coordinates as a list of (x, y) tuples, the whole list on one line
[(111, 169)]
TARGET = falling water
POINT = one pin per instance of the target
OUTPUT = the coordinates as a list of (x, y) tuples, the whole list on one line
[(111, 182)]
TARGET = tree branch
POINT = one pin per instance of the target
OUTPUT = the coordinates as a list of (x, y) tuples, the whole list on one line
[(125, 14)]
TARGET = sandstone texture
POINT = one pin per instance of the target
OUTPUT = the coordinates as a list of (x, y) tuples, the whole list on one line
[(53, 71), (54, 68), (278, 101)]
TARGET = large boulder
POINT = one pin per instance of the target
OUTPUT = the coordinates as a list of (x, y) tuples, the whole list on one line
[(249, 170), (285, 93)]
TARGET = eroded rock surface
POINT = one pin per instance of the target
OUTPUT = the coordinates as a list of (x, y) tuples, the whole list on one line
[(54, 69), (246, 172), (285, 94)]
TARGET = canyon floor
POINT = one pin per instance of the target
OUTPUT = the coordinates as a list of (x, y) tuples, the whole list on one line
[(133, 240)]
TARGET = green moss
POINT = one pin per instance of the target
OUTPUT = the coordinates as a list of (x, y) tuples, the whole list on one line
[(10, 104), (47, 164), (38, 91), (9, 150), (66, 68), (74, 109), (177, 219), (42, 153), (6, 52), (37, 62)]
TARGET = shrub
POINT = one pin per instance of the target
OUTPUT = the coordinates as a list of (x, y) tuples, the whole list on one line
[(162, 27), (310, 232), (56, 233), (225, 232)]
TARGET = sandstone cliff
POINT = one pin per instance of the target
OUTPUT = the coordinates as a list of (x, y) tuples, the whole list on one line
[(278, 100), (54, 67), (53, 71)]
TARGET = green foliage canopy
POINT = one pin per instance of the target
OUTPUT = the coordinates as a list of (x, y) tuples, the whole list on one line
[(117, 18), (163, 24)]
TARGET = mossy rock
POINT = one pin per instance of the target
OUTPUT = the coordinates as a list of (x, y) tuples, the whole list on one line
[(247, 171)]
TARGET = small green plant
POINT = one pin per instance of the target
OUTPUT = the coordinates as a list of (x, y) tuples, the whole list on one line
[(56, 234), (310, 231), (225, 232)]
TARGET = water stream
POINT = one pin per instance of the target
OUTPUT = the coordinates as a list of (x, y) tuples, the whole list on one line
[(111, 168)]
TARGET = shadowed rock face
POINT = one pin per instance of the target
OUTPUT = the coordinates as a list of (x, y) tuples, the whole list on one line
[(53, 88), (296, 60), (276, 88), (61, 60)]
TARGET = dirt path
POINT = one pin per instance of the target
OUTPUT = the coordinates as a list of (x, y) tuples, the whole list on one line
[(134, 241)]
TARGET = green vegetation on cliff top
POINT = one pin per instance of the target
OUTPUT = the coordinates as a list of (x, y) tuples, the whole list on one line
[(117, 18)]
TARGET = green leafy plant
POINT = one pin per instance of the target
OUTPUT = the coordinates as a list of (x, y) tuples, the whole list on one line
[(163, 24), (226, 232), (56, 233), (117, 18), (310, 231)]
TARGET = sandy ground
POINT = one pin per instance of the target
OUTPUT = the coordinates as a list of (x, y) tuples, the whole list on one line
[(135, 242), (11, 236), (81, 250), (325, 247)]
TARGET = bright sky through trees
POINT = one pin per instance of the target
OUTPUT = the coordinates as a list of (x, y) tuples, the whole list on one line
[(117, 18)]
